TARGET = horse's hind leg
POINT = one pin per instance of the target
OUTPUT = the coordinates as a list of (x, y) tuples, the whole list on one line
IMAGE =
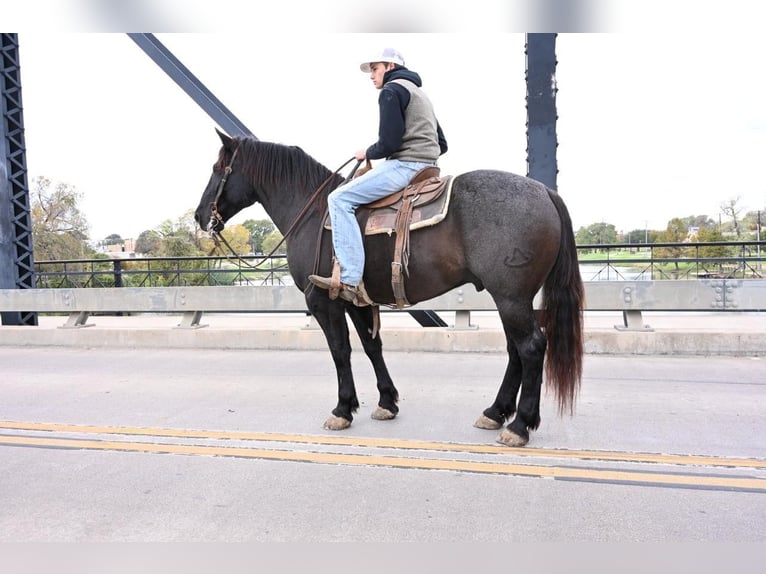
[(504, 406), (387, 409), (521, 329), (331, 317)]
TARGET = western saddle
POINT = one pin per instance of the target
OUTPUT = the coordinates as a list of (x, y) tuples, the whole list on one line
[(423, 202)]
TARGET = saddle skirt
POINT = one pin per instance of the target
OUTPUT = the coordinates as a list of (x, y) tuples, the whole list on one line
[(430, 203), (423, 203)]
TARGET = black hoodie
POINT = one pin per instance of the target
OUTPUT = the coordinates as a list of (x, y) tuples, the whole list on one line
[(393, 100)]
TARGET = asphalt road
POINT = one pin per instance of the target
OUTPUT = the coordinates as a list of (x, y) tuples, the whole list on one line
[(227, 445)]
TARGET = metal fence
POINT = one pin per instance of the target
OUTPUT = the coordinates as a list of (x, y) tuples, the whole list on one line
[(162, 272), (660, 261), (615, 262)]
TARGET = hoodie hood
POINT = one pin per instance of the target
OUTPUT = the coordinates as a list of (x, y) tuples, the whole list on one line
[(402, 73)]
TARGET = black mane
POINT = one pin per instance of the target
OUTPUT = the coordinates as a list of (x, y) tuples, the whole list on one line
[(274, 165)]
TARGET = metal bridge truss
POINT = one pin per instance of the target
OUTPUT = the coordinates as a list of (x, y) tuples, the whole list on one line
[(15, 217), (17, 266)]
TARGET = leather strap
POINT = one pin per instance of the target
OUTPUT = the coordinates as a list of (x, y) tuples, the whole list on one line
[(335, 280), (375, 321), (402, 248)]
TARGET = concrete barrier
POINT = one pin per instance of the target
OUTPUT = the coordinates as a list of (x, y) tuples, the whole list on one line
[(629, 297), (713, 317)]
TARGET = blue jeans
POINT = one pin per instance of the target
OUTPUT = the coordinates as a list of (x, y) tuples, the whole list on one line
[(384, 179)]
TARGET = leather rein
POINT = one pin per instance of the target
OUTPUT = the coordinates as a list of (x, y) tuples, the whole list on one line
[(215, 216)]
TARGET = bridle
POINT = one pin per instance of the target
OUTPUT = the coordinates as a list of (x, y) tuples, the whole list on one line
[(215, 216)]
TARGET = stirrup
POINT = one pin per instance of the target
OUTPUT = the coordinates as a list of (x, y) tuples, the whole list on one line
[(335, 279), (356, 295), (331, 284)]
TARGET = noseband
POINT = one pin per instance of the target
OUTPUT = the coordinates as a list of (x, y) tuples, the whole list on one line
[(215, 217)]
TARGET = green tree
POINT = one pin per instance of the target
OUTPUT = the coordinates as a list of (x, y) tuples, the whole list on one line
[(236, 236), (258, 230), (637, 236), (271, 241), (676, 232), (699, 221), (113, 239), (597, 233), (239, 238), (177, 244), (177, 240), (712, 235), (59, 228), (148, 242), (718, 248), (187, 224)]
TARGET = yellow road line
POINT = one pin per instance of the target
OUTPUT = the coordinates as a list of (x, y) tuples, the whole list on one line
[(739, 483), (687, 460)]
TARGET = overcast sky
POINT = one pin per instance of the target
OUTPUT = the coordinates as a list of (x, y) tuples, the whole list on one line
[(653, 124)]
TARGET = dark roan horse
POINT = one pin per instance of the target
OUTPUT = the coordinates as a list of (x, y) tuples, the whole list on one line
[(503, 232)]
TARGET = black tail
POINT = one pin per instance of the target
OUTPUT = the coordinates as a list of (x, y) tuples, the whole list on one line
[(563, 302)]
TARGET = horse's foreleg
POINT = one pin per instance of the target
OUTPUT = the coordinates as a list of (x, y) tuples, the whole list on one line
[(332, 319), (389, 397)]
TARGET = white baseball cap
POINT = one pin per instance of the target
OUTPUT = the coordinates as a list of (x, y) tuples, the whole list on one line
[(385, 55)]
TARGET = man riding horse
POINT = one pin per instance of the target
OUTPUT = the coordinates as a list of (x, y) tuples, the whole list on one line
[(409, 140), (504, 233)]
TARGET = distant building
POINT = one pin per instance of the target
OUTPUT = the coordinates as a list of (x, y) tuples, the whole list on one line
[(125, 249)]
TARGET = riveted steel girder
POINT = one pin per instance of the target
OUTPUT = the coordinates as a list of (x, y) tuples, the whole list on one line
[(17, 266)]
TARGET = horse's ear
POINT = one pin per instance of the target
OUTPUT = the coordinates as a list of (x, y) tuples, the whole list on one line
[(225, 140)]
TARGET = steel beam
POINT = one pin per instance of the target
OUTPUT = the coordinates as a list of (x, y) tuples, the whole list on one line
[(541, 111), (190, 84), (541, 108), (17, 266)]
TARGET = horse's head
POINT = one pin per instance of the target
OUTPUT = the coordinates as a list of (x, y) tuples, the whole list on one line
[(227, 191)]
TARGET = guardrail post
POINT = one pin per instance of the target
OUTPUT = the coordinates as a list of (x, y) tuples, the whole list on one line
[(463, 320), (190, 320), (633, 321), (77, 320)]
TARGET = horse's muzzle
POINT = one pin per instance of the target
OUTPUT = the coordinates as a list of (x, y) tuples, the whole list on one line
[(215, 225)]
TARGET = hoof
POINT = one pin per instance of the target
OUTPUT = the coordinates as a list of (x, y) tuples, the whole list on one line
[(337, 423), (381, 414), (509, 438), (484, 422)]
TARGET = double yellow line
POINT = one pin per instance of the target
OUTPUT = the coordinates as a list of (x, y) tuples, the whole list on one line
[(689, 479)]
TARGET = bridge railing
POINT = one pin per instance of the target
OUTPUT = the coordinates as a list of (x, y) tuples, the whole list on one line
[(161, 272), (658, 261), (613, 262), (629, 297), (629, 278)]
